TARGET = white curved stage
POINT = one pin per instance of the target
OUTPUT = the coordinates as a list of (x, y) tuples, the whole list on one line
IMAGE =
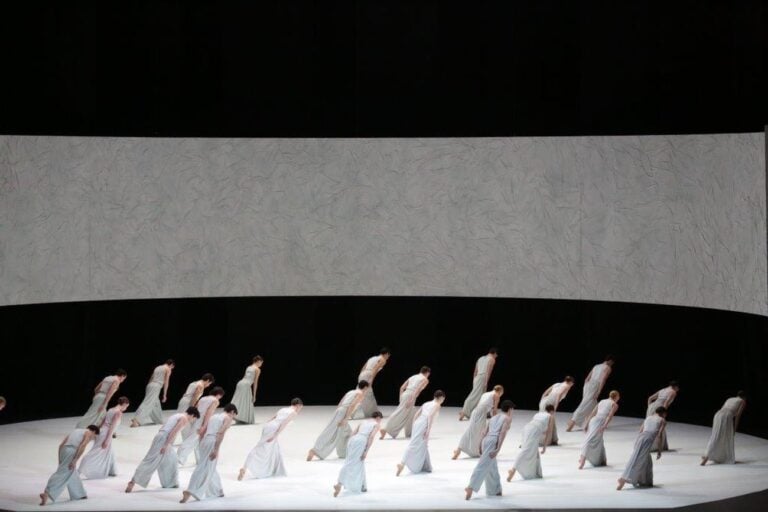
[(28, 456)]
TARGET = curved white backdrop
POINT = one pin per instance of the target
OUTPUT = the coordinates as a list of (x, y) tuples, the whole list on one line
[(659, 219)]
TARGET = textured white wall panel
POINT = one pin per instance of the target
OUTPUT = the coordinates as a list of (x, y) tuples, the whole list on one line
[(660, 219)]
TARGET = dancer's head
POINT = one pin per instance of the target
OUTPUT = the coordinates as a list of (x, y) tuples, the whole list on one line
[(661, 411), (297, 404), (610, 360), (2, 403), (217, 392), (549, 408), (230, 410), (494, 352), (385, 353), (93, 429), (207, 379), (123, 403), (614, 395), (258, 361), (362, 384), (740, 394), (569, 380), (439, 396), (426, 371), (192, 412), (170, 363), (674, 385), (507, 406), (121, 374), (376, 416), (498, 389)]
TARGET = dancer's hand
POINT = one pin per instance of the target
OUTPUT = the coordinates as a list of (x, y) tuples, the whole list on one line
[(72, 466), (271, 439), (214, 454), (658, 455), (101, 409), (105, 445), (164, 449), (362, 457), (543, 449), (164, 399), (493, 454)]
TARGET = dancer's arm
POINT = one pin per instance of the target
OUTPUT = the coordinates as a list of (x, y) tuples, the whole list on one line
[(738, 415), (208, 414), (80, 449), (115, 422), (166, 380), (658, 435), (282, 426), (369, 443), (614, 408), (653, 398), (220, 437), (670, 399), (255, 385), (176, 429), (110, 392), (548, 436), (503, 435), (197, 394), (591, 415)]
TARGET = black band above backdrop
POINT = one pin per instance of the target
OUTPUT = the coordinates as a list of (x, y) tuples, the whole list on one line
[(314, 347)]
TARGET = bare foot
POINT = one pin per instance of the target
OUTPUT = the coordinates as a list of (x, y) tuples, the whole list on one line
[(461, 416), (570, 426), (129, 487), (621, 484), (43, 498), (704, 460), (185, 497), (383, 433), (399, 469), (336, 490), (510, 475), (310, 455), (467, 493), (581, 462), (134, 423), (456, 453), (241, 474)]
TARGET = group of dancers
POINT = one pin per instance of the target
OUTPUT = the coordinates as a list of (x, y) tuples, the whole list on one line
[(202, 430)]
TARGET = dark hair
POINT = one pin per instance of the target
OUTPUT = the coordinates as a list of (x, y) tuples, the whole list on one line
[(256, 359), (123, 400), (2, 399), (297, 401), (121, 373), (549, 408), (230, 408), (568, 378), (218, 390), (425, 369), (661, 410), (740, 394), (506, 405), (377, 414), (362, 384), (93, 428), (493, 350), (674, 384), (610, 357), (208, 377), (439, 393), (384, 350), (170, 362), (192, 411)]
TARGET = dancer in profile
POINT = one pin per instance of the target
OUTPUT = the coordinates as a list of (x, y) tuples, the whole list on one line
[(662, 398), (161, 457), (487, 468), (352, 474), (205, 480), (416, 456), (593, 385), (720, 448), (370, 369), (99, 462), (101, 396), (553, 396), (245, 392), (337, 432), (150, 410), (472, 438), (593, 448), (265, 459), (195, 391), (191, 437), (480, 378), (402, 418), (528, 461), (639, 470), (66, 476)]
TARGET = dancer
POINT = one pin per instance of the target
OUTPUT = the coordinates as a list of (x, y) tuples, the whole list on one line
[(337, 432), (161, 457), (205, 481), (472, 438), (593, 385), (553, 396), (528, 460), (265, 459), (371, 368), (487, 468), (192, 436), (480, 378), (416, 456), (352, 474), (150, 410), (662, 398), (639, 470), (70, 450), (593, 448), (99, 462), (194, 392), (402, 418), (245, 392), (101, 396), (720, 448)]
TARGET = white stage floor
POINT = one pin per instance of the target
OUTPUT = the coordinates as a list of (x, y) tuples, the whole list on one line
[(28, 457)]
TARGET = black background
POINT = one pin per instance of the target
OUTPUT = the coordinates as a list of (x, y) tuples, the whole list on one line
[(370, 69)]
